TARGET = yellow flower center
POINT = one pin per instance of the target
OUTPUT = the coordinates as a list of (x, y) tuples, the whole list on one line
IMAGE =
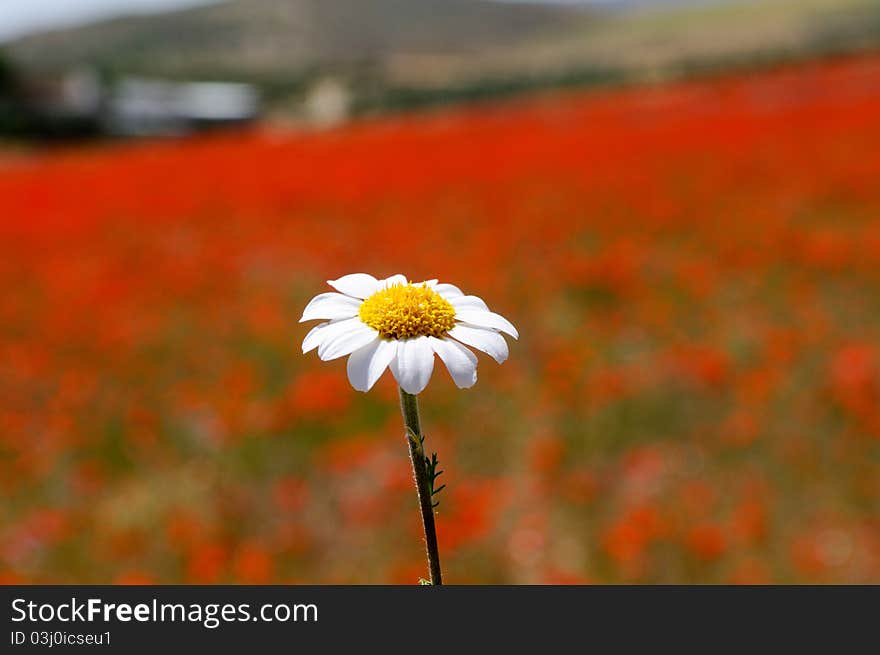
[(403, 311)]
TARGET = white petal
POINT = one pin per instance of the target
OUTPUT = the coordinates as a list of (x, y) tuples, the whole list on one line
[(489, 341), (486, 320), (429, 283), (460, 362), (464, 303), (414, 364), (347, 342), (314, 337), (394, 279), (367, 364), (357, 285), (330, 306), (326, 331), (448, 291)]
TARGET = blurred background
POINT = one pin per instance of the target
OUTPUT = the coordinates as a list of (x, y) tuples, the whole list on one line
[(677, 204)]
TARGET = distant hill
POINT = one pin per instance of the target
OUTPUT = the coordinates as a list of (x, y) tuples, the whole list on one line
[(260, 37), (403, 53)]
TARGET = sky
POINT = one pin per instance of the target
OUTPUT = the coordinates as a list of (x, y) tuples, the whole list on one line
[(19, 17)]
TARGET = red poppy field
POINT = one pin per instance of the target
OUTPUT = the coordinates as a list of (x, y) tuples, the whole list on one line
[(694, 270)]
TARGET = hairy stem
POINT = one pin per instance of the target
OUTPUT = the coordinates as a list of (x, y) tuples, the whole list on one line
[(409, 407)]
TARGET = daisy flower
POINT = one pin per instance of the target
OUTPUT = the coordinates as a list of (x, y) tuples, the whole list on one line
[(401, 325)]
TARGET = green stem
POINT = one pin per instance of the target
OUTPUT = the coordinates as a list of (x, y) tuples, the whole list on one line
[(409, 407)]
